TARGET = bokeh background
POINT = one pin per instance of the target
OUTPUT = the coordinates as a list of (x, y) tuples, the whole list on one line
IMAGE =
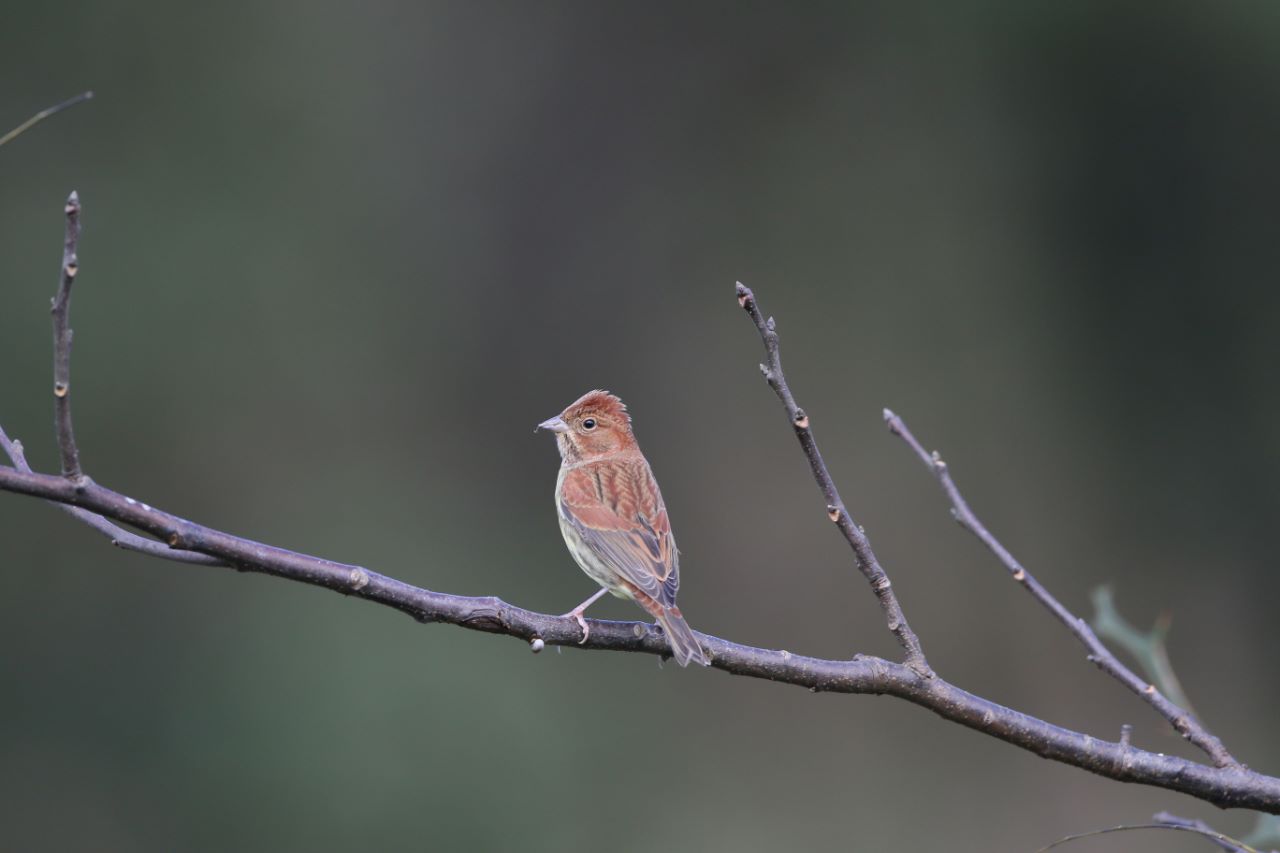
[(338, 260)]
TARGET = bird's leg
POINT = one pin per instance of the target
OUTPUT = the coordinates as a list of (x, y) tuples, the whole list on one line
[(577, 612)]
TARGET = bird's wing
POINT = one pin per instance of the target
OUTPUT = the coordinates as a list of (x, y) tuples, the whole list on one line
[(615, 507)]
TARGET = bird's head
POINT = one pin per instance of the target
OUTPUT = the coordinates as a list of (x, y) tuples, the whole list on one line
[(594, 425)]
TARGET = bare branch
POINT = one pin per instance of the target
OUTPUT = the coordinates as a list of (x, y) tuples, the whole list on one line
[(42, 115), (1185, 724), (864, 556), (1228, 787), (62, 343), (1225, 786)]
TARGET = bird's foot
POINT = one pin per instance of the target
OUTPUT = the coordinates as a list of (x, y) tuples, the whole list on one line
[(582, 623), (576, 613)]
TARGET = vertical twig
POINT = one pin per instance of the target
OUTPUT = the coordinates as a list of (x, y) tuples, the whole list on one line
[(62, 344), (865, 557)]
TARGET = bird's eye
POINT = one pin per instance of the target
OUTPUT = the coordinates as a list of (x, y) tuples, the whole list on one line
[(589, 423)]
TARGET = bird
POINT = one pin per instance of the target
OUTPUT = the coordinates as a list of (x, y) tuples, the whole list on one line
[(613, 519)]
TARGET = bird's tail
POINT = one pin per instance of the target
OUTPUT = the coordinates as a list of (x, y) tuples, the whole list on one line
[(684, 645)]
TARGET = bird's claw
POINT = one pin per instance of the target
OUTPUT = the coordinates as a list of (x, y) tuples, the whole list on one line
[(586, 630), (577, 612)]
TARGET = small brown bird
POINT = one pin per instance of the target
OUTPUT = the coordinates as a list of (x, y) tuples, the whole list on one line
[(613, 519)]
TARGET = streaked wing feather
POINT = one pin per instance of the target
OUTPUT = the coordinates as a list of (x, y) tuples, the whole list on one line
[(616, 509)]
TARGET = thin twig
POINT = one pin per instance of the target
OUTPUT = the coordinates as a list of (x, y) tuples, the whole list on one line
[(62, 335), (1185, 724), (1234, 787), (864, 556), (1226, 842), (1196, 827), (42, 115), (117, 535)]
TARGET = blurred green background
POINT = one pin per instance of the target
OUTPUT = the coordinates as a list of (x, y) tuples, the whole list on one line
[(339, 259)]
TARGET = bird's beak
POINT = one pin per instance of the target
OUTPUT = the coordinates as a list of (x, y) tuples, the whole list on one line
[(553, 424)]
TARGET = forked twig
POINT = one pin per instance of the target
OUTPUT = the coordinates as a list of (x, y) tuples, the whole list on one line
[(67, 449), (118, 536)]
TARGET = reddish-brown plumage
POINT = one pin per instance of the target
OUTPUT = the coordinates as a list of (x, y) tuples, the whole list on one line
[(612, 516), (598, 403)]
